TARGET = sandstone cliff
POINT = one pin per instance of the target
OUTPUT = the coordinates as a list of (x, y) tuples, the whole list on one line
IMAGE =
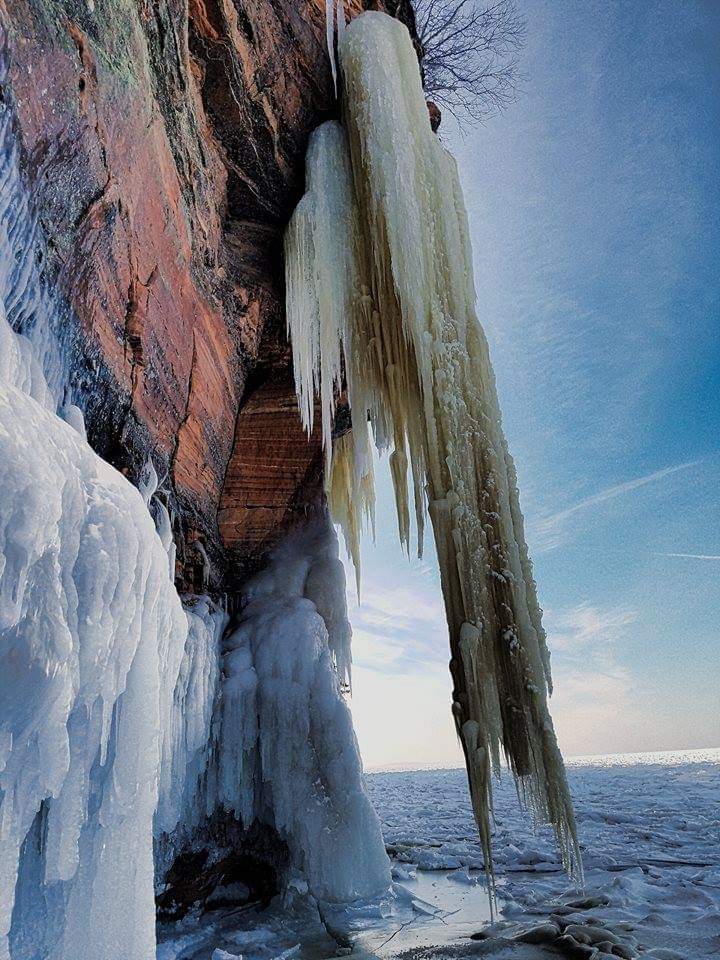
[(163, 142)]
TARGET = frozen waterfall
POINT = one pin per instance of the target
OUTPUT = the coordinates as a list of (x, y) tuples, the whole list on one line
[(269, 735), (381, 301), (282, 669)]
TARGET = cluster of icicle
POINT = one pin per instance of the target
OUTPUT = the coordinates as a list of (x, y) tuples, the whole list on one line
[(381, 302)]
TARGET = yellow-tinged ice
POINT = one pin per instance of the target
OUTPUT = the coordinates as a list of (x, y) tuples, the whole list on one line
[(381, 299)]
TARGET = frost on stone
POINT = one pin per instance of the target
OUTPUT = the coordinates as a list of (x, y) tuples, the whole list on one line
[(381, 302)]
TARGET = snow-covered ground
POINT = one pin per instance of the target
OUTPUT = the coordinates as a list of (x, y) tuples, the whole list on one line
[(650, 832)]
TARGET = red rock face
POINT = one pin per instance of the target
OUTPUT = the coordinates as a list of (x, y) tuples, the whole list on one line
[(163, 143), (275, 473)]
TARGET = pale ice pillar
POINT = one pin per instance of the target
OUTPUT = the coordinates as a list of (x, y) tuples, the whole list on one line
[(381, 293)]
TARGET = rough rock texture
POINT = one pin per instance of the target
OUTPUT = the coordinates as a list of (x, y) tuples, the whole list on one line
[(163, 142)]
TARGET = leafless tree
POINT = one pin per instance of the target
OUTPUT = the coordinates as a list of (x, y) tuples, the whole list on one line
[(470, 54)]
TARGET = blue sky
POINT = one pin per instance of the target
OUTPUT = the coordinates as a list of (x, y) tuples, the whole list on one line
[(594, 216)]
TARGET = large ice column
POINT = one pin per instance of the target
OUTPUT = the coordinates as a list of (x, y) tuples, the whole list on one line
[(92, 634), (322, 264), (287, 747), (416, 364), (260, 732), (323, 231)]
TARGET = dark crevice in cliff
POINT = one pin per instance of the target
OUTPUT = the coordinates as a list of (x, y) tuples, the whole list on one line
[(186, 412), (165, 25), (241, 127)]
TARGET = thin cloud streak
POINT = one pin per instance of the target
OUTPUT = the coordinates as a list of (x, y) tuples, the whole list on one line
[(547, 528), (691, 556)]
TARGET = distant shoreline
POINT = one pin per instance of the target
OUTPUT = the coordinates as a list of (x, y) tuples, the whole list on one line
[(650, 757)]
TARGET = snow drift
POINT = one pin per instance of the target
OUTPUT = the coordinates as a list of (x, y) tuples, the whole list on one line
[(381, 299)]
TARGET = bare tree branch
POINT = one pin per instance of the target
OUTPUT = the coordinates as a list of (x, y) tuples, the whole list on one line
[(470, 54)]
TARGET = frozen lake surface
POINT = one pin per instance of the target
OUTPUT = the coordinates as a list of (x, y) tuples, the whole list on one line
[(650, 832)]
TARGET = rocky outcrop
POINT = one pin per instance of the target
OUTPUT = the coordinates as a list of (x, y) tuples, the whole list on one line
[(163, 143)]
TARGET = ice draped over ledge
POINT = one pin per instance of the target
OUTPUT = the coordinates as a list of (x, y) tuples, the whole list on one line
[(123, 712), (92, 635), (381, 301)]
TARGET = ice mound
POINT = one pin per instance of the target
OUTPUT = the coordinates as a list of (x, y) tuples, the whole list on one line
[(288, 749)]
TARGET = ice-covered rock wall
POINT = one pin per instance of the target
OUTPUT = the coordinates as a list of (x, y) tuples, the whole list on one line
[(92, 633), (381, 298), (121, 717)]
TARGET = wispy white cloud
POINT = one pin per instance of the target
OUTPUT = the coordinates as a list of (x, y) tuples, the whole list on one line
[(399, 626), (692, 556), (596, 705), (585, 625), (548, 531)]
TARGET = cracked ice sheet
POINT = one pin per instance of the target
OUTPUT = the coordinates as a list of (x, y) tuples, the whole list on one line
[(249, 932), (649, 831), (650, 835)]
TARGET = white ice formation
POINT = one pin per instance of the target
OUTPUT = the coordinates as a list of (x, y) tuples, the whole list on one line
[(381, 302), (260, 729), (281, 670), (111, 694), (188, 746)]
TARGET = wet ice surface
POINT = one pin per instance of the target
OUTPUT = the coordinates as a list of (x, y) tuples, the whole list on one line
[(650, 831), (424, 909)]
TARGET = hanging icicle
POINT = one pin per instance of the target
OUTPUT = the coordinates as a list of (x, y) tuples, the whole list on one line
[(330, 35), (381, 299), (334, 26)]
